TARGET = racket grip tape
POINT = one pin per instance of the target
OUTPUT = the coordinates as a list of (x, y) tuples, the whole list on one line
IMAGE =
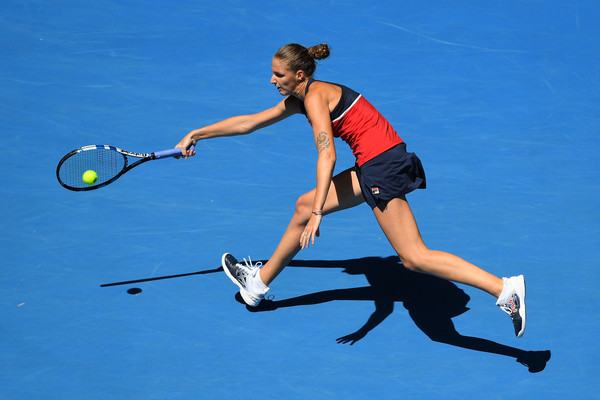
[(169, 153)]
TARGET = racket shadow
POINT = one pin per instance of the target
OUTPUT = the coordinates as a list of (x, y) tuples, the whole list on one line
[(158, 278), (431, 303)]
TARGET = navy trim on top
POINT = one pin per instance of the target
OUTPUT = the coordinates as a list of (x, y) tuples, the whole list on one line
[(348, 97)]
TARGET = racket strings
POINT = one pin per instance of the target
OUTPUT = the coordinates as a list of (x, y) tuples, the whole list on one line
[(107, 163)]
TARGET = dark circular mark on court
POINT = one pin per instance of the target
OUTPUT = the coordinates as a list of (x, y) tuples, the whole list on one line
[(134, 291)]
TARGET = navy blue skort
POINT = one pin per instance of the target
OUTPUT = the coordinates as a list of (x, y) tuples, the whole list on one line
[(393, 173)]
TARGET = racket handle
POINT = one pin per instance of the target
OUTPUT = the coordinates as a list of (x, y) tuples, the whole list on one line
[(169, 153)]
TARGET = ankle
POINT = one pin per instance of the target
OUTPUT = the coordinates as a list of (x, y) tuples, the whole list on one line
[(504, 292), (499, 288), (259, 282)]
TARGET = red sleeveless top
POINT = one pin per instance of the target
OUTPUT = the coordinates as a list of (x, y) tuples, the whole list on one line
[(358, 123)]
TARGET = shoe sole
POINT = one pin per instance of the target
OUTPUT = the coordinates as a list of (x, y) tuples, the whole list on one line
[(248, 298), (522, 311)]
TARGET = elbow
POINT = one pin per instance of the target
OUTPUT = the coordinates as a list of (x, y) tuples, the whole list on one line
[(241, 125), (332, 158), (245, 127), (331, 155), (328, 156)]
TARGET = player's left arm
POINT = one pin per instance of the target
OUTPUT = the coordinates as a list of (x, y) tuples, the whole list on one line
[(317, 108)]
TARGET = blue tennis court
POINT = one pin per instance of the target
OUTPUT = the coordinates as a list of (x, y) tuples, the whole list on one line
[(118, 293)]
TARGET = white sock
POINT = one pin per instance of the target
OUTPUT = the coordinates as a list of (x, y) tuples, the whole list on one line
[(258, 285), (506, 291)]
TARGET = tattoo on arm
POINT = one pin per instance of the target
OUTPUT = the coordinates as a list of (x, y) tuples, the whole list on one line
[(322, 141)]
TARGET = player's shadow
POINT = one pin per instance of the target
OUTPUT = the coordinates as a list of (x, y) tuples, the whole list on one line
[(431, 303)]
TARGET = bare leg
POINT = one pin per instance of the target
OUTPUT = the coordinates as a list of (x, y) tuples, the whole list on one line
[(344, 193), (399, 225)]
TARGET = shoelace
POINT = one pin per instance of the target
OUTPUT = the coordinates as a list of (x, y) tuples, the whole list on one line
[(510, 309), (248, 269), (249, 264), (506, 309)]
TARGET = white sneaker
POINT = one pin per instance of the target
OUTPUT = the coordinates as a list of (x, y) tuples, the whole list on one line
[(512, 302), (246, 277)]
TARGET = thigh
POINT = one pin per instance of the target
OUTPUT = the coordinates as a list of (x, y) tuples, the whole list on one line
[(398, 223), (344, 192)]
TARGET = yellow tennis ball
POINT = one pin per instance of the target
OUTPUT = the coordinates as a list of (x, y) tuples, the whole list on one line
[(90, 177)]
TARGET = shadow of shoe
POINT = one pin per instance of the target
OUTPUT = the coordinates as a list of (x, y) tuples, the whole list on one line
[(535, 360)]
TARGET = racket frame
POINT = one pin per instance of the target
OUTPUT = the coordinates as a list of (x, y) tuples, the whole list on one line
[(143, 157)]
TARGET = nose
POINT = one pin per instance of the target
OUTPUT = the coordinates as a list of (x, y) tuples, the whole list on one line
[(273, 79)]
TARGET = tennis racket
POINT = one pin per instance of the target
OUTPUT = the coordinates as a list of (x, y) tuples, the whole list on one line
[(109, 162)]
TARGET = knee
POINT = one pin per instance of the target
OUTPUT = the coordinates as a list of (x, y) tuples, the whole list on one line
[(303, 208), (414, 260)]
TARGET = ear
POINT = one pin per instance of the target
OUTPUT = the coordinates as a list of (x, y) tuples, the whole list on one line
[(300, 75)]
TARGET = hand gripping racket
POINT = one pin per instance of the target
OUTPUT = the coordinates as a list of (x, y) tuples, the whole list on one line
[(109, 162)]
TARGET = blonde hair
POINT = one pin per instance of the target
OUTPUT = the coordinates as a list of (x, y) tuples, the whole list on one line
[(299, 57)]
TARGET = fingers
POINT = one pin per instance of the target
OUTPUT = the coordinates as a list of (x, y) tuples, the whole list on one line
[(306, 239), (311, 231), (185, 145), (188, 153)]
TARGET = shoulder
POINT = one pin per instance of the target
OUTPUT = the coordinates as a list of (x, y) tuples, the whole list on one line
[(320, 89), (284, 109), (322, 96), (290, 105)]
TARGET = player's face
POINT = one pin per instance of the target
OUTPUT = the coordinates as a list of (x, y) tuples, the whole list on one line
[(283, 78)]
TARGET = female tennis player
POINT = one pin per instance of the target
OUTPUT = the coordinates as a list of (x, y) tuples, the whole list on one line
[(382, 176)]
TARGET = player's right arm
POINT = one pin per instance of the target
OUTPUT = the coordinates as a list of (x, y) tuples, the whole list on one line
[(241, 124)]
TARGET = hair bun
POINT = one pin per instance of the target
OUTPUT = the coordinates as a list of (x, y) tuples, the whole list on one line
[(319, 51)]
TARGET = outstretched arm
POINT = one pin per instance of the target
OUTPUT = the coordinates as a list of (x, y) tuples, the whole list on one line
[(240, 125)]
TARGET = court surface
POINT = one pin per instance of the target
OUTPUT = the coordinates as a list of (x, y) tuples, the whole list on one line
[(499, 100)]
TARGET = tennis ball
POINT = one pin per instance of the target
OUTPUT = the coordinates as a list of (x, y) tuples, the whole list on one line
[(90, 177)]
